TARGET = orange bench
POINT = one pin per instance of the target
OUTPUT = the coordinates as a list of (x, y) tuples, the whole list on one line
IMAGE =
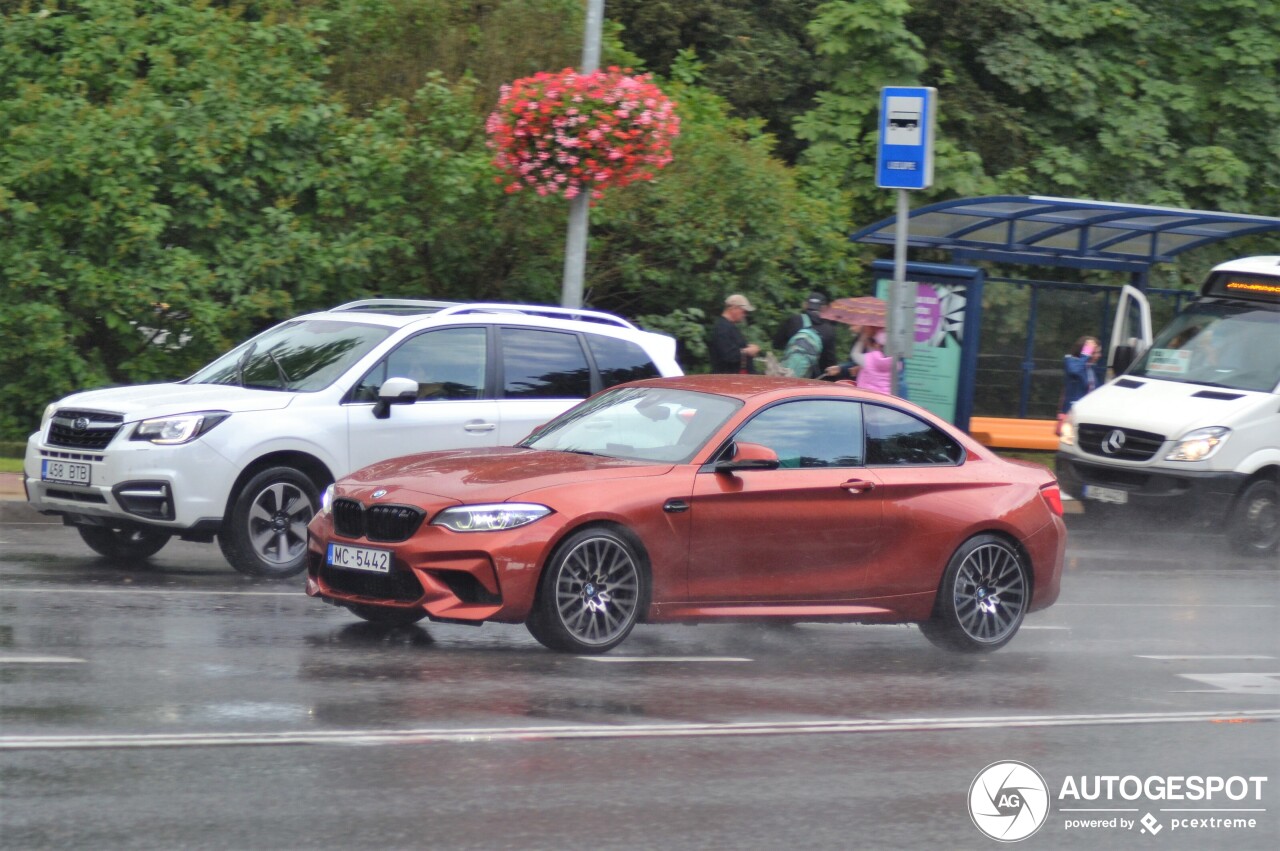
[(1002, 433)]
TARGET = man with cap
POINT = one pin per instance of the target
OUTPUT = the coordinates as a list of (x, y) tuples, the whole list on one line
[(812, 308), (727, 346)]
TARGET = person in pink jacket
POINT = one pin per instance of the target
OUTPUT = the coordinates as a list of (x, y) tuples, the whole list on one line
[(875, 372)]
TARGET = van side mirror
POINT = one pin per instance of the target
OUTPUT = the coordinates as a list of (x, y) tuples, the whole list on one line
[(1122, 359), (748, 456), (394, 391)]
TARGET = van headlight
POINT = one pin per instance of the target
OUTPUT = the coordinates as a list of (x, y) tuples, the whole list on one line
[(1067, 434), (490, 518), (181, 428), (1199, 444)]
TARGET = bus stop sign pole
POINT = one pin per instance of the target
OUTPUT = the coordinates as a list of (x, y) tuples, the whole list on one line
[(904, 161)]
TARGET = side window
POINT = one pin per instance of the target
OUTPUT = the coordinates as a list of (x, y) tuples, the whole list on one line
[(809, 433), (539, 364), (895, 437), (619, 361), (447, 363)]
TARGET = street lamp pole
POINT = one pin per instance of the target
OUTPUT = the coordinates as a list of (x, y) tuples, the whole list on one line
[(575, 248)]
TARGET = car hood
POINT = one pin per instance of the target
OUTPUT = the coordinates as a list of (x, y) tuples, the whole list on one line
[(1169, 408), (490, 475), (143, 401)]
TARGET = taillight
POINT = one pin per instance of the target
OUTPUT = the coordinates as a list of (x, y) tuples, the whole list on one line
[(1053, 496)]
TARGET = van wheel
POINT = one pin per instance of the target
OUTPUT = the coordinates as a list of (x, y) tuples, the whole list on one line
[(1255, 521), (123, 543), (266, 531)]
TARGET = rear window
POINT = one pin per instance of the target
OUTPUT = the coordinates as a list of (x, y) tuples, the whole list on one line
[(619, 361)]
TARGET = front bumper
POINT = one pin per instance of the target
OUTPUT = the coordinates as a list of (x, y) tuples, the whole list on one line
[(1178, 495), (177, 488)]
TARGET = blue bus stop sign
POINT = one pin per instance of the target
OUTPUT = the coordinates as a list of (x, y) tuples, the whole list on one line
[(904, 156)]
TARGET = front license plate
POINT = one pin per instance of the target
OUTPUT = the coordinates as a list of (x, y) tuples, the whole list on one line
[(1114, 495), (359, 558), (64, 472)]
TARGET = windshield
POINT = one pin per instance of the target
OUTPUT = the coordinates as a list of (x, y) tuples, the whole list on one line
[(638, 423), (305, 355), (1219, 345)]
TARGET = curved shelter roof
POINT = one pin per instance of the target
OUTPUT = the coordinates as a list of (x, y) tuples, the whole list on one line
[(1039, 231)]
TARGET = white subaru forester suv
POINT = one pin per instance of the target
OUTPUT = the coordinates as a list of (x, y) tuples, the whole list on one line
[(242, 450)]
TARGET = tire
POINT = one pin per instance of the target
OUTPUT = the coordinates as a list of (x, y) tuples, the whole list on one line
[(591, 594), (1255, 520), (123, 543), (982, 598), (386, 615), (266, 530)]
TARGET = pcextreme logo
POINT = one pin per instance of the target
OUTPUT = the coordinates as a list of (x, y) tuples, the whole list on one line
[(1008, 801)]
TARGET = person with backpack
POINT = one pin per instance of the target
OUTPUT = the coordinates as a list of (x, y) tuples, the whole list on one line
[(806, 341)]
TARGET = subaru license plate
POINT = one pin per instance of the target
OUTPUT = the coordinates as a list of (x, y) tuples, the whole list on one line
[(64, 472), (1113, 495), (359, 558)]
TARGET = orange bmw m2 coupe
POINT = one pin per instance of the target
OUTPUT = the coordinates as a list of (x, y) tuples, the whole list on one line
[(701, 499)]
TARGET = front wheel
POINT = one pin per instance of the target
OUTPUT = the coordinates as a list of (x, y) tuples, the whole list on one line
[(123, 543), (266, 530), (982, 599), (591, 593), (1255, 521)]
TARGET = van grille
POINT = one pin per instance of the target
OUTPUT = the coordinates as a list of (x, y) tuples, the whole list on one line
[(1125, 444), (83, 429)]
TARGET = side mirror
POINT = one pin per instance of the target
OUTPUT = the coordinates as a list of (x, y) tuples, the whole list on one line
[(748, 456), (1122, 359), (394, 391)]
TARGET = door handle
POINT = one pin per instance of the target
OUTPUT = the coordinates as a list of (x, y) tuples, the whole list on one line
[(480, 426), (858, 486)]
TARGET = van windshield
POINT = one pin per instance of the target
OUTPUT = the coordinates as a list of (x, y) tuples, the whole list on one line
[(1219, 345), (304, 355)]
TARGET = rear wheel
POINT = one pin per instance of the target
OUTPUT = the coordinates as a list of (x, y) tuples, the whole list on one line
[(982, 599), (386, 615), (123, 543), (1255, 521), (591, 593), (266, 531)]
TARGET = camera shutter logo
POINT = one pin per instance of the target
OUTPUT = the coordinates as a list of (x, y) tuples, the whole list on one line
[(1008, 801)]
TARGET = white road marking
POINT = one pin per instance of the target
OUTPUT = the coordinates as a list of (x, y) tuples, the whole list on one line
[(1239, 683), (1034, 626), (1201, 658), (39, 660), (157, 591), (603, 731), (616, 659), (1170, 605)]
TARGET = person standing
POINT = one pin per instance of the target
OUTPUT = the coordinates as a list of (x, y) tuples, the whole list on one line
[(826, 332), (728, 347), (1079, 374)]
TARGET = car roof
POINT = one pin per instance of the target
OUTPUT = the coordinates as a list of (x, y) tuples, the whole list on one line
[(402, 313), (748, 386)]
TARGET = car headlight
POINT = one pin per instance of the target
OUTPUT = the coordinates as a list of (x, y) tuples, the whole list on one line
[(1067, 434), (182, 428), (490, 518), (326, 499), (1199, 444), (48, 415)]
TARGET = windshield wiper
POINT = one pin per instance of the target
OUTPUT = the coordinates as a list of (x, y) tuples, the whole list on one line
[(284, 376)]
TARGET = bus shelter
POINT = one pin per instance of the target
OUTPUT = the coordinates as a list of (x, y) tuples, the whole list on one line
[(1012, 341)]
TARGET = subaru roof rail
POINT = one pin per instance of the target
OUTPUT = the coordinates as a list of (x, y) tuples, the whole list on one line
[(396, 305), (538, 310)]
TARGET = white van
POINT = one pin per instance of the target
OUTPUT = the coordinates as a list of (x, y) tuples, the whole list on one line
[(1191, 430), (243, 449)]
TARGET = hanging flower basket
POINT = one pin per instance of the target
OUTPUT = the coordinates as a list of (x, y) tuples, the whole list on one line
[(567, 133)]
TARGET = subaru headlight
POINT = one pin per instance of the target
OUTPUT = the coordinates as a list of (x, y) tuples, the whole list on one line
[(490, 518), (1199, 444), (181, 428), (48, 415)]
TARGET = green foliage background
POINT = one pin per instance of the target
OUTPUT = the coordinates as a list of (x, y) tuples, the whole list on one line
[(175, 174)]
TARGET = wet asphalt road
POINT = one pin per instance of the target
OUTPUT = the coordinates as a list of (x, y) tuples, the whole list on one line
[(178, 705)]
